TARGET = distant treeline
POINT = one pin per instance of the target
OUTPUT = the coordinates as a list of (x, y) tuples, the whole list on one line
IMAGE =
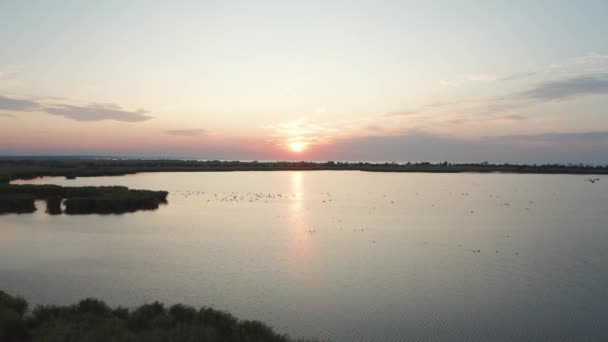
[(85, 200), (72, 168), (93, 320), (78, 200)]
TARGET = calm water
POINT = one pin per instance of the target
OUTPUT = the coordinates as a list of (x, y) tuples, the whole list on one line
[(342, 256)]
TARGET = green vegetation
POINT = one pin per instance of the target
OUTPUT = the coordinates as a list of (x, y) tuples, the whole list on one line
[(93, 320), (78, 200)]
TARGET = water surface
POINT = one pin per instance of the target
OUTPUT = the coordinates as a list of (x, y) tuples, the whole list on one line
[(341, 256)]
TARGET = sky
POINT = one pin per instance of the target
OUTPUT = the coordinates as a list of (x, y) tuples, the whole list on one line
[(462, 81)]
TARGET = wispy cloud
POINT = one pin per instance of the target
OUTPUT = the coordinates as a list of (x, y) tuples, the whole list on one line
[(581, 65), (512, 117), (7, 75), (10, 103), (425, 108), (472, 117), (591, 58), (582, 139), (86, 113), (7, 116), (518, 76), (374, 128), (567, 88), (186, 132), (98, 112), (501, 110), (484, 78), (474, 78), (418, 145), (402, 113)]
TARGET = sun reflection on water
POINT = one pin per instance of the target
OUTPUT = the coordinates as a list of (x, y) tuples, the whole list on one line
[(300, 239)]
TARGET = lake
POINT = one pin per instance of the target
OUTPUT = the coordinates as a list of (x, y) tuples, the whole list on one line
[(340, 256)]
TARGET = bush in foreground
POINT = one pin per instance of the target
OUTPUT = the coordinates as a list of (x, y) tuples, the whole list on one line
[(93, 320)]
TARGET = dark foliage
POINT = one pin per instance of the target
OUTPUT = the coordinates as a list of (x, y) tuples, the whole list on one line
[(12, 313), (79, 200), (53, 205), (24, 168), (93, 320), (17, 203)]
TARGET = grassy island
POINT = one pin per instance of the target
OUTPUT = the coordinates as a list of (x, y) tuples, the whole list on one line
[(78, 200), (93, 320)]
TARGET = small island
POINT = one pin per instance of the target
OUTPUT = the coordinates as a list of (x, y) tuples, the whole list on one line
[(78, 200)]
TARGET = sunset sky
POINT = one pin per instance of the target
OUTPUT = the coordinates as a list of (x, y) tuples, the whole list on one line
[(502, 81)]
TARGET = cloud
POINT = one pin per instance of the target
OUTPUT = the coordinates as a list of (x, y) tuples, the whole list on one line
[(555, 90), (567, 88), (512, 117), (475, 78), (518, 76), (8, 103), (90, 112), (583, 147), (485, 78), (481, 78), (374, 128), (98, 112), (402, 113), (582, 65), (447, 83), (554, 139), (186, 132), (7, 116), (504, 108), (592, 58), (6, 75), (425, 108)]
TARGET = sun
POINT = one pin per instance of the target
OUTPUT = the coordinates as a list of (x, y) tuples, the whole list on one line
[(297, 146)]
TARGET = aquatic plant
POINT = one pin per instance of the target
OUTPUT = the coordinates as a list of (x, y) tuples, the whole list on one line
[(78, 200), (53, 205), (17, 203)]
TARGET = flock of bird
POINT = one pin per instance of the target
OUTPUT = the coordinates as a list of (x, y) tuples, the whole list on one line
[(234, 197), (325, 198)]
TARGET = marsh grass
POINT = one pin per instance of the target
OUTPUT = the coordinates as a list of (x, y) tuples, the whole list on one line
[(78, 200)]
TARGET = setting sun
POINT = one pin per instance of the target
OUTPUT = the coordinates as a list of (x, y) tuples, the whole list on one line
[(297, 146)]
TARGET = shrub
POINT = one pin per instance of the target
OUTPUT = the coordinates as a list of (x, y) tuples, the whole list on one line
[(93, 320)]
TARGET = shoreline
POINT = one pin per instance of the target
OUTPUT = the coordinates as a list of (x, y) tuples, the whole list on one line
[(25, 169), (19, 198)]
